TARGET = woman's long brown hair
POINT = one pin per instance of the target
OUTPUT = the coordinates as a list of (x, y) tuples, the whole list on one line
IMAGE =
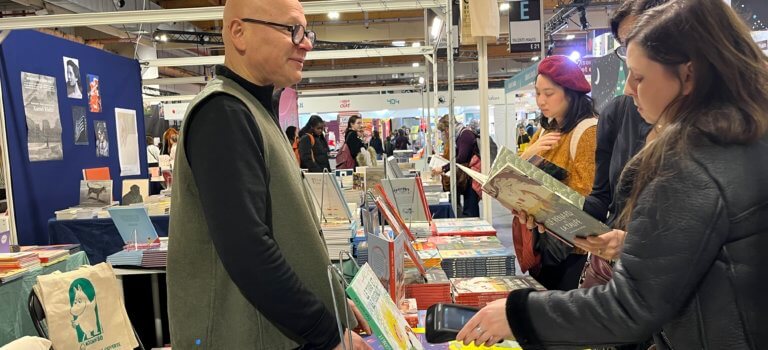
[(728, 102)]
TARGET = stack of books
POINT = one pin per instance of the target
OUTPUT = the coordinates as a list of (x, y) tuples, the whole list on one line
[(14, 265), (428, 253), (48, 255), (479, 291), (154, 258), (462, 227), (338, 237), (466, 257), (420, 229), (436, 289), (126, 258)]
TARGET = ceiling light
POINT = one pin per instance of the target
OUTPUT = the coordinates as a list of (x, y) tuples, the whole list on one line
[(575, 56), (570, 37), (504, 7), (398, 43), (416, 64), (333, 15), (416, 44), (535, 58), (421, 80), (437, 24), (164, 37)]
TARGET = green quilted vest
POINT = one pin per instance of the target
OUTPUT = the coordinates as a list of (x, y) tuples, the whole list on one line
[(206, 309)]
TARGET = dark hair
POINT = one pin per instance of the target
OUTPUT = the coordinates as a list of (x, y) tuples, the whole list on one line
[(150, 140), (631, 8), (291, 133), (580, 107), (313, 122), (352, 121), (730, 86), (376, 134)]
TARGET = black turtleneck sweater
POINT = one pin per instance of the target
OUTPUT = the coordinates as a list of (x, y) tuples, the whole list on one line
[(225, 151)]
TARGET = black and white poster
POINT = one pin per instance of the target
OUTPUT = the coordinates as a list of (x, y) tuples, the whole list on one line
[(102, 138), (72, 77), (80, 125), (41, 107)]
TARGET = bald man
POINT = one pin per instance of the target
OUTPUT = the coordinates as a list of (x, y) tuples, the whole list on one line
[(246, 259)]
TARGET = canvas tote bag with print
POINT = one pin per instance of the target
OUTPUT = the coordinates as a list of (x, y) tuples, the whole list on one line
[(85, 309)]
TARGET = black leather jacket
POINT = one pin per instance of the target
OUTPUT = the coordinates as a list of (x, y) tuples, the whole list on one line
[(693, 272)]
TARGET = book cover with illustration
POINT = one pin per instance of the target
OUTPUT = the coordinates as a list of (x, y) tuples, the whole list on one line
[(388, 211), (95, 193), (329, 200), (381, 313), (519, 185), (386, 257)]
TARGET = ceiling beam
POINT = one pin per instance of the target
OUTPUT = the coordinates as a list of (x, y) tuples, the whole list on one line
[(361, 71), (312, 55), (200, 14)]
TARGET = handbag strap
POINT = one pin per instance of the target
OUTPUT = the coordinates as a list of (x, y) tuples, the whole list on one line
[(578, 131)]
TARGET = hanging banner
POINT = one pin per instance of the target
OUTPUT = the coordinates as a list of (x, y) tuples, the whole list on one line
[(525, 26), (466, 24)]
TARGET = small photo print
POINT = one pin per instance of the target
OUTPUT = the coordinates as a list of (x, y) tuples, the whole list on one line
[(102, 138), (94, 95), (72, 78), (80, 125)]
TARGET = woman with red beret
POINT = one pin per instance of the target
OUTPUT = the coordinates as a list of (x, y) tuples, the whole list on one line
[(567, 140)]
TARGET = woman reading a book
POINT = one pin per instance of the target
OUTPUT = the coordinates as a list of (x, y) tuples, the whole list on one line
[(692, 271), (564, 147)]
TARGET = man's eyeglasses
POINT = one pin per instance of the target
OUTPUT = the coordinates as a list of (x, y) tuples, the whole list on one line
[(621, 52), (298, 32)]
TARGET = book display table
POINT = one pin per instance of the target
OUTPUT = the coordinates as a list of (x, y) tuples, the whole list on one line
[(98, 238), (14, 315)]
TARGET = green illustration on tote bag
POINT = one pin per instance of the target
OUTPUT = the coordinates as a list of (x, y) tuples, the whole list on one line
[(84, 310)]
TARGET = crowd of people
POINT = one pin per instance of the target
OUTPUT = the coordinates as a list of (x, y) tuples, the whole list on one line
[(674, 167)]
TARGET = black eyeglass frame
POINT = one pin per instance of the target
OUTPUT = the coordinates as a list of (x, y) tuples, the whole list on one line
[(294, 29)]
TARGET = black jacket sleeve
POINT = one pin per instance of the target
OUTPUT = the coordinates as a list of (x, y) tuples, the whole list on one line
[(466, 144), (224, 148), (354, 143), (305, 154), (673, 240), (599, 200)]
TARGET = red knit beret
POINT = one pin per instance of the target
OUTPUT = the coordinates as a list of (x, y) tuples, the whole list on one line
[(565, 73)]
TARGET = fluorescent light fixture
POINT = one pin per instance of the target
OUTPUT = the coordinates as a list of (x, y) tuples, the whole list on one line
[(504, 7), (164, 37), (575, 56), (437, 24), (398, 43), (416, 44), (416, 64), (535, 58), (333, 15), (570, 37)]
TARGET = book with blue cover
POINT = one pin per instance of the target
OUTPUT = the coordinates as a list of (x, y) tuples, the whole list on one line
[(133, 224)]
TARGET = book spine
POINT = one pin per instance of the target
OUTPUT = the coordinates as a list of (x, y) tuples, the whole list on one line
[(363, 307), (392, 273)]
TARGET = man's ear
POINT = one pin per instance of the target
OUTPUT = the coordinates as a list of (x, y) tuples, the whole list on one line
[(687, 77), (236, 31)]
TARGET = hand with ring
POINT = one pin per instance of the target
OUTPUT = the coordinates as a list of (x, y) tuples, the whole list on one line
[(488, 326), (607, 246)]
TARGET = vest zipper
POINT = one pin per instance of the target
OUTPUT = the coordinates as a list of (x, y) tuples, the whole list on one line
[(666, 340)]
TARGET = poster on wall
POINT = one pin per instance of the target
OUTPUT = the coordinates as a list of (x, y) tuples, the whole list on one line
[(102, 138), (72, 77), (608, 78), (127, 141), (94, 95), (41, 107), (80, 125)]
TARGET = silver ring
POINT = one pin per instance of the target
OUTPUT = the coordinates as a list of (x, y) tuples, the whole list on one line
[(479, 329)]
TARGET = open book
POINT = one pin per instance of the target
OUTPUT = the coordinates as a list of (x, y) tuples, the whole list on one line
[(520, 185)]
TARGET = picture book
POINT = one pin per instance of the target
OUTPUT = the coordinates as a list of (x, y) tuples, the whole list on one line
[(390, 215), (133, 224), (95, 193), (519, 185), (385, 255), (381, 313), (328, 197), (408, 198)]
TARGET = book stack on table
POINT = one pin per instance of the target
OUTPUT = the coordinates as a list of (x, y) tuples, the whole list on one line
[(14, 265), (479, 291), (462, 227), (465, 257), (437, 289)]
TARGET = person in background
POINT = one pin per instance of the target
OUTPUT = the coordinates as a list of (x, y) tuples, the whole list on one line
[(522, 139), (389, 147), (466, 152), (174, 141), (402, 142), (313, 148), (568, 114), (292, 133), (530, 129), (376, 143), (153, 153), (352, 137), (247, 265), (691, 272)]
